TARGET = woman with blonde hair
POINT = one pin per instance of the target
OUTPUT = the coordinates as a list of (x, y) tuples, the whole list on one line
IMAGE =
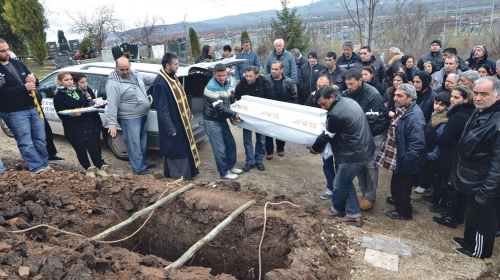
[(80, 128)]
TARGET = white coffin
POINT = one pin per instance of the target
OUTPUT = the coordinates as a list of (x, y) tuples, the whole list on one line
[(289, 122)]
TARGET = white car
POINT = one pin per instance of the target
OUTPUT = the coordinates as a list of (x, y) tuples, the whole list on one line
[(193, 77)]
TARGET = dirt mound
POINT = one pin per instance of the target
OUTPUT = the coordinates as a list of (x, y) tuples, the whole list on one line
[(295, 245)]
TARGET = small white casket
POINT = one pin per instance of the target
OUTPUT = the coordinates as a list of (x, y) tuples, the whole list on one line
[(288, 122)]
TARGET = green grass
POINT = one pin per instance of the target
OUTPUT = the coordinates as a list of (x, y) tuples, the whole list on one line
[(40, 71)]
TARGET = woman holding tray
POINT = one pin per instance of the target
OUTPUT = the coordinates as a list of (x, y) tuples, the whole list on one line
[(80, 128)]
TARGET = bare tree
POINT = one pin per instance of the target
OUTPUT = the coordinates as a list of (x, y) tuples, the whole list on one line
[(494, 38), (146, 29), (95, 26), (364, 14)]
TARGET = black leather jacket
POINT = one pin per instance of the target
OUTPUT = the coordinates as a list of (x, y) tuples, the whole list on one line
[(215, 92), (288, 92), (476, 169), (309, 76), (370, 101), (353, 141)]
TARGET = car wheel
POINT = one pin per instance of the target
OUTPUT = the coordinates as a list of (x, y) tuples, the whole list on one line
[(117, 146), (6, 129)]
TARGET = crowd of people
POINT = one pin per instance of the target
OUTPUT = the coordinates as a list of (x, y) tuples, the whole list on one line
[(434, 125)]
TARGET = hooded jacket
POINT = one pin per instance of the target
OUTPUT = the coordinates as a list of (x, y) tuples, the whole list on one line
[(474, 63), (289, 65), (476, 169), (127, 97), (425, 98), (377, 64)]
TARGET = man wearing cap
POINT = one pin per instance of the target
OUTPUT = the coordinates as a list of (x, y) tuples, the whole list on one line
[(435, 56), (479, 57), (309, 74)]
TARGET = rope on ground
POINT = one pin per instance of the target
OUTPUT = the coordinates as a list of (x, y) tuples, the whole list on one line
[(264, 231), (176, 182)]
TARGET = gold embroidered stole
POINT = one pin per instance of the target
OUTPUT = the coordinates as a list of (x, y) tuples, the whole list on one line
[(183, 106)]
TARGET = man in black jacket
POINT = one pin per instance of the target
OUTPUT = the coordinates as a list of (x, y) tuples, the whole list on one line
[(476, 171), (368, 59), (370, 101), (254, 85), (337, 74), (309, 74), (283, 90), (348, 133), (349, 58), (21, 112)]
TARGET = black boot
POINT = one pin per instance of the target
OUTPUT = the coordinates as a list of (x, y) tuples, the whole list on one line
[(446, 221)]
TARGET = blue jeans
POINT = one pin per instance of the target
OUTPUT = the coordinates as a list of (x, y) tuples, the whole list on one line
[(260, 147), (223, 145), (368, 177), (135, 136), (329, 171), (2, 168), (344, 193), (29, 131)]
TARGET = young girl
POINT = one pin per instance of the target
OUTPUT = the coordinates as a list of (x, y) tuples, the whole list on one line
[(80, 129)]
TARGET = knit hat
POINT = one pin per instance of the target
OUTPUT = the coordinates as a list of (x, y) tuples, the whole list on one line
[(436, 41), (313, 55)]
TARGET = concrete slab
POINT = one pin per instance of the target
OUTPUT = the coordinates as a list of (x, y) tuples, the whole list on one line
[(382, 259), (386, 237)]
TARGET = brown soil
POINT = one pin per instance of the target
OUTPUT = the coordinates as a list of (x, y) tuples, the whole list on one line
[(302, 244), (295, 243)]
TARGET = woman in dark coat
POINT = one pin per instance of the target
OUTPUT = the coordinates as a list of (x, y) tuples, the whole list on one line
[(410, 68), (206, 54), (80, 129), (368, 72), (388, 106), (462, 107)]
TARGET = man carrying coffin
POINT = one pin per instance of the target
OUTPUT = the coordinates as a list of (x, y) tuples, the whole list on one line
[(349, 134), (254, 85), (177, 144)]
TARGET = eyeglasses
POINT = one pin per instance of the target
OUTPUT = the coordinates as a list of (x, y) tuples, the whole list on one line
[(2, 51)]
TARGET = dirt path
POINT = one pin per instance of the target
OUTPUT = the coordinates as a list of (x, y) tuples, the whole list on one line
[(298, 177)]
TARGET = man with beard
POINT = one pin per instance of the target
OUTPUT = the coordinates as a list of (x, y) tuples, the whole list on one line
[(177, 144), (370, 101), (478, 57), (283, 90), (21, 112), (254, 85)]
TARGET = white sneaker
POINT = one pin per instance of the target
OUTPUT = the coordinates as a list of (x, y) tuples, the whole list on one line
[(91, 172), (326, 195), (235, 170), (421, 190), (230, 176)]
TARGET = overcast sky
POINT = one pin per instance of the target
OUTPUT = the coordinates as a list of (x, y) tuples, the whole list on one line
[(172, 11)]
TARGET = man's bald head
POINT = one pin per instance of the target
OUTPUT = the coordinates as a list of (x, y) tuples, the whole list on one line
[(123, 67), (323, 80)]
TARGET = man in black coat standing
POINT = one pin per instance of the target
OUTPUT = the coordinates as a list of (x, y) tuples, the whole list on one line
[(177, 144), (476, 171), (254, 85), (309, 74)]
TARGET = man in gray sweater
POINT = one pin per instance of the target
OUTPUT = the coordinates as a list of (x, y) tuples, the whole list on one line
[(128, 107)]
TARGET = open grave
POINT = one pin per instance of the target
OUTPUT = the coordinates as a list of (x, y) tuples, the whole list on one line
[(295, 244)]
